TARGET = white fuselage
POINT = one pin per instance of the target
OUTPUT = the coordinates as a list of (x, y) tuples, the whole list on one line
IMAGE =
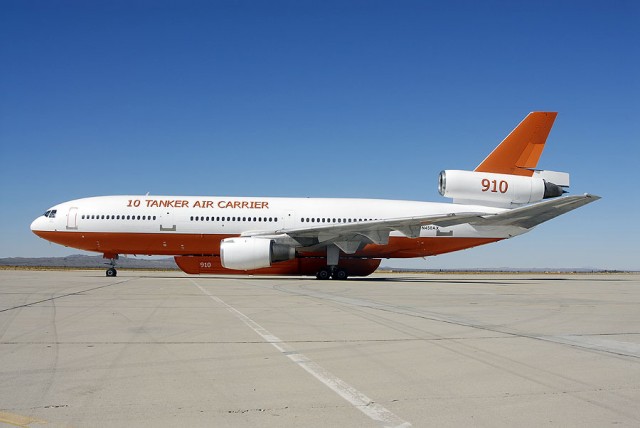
[(178, 225)]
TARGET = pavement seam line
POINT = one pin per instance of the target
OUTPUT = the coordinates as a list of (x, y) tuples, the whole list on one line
[(66, 295)]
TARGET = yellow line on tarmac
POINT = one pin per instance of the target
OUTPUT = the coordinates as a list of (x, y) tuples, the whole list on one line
[(19, 420)]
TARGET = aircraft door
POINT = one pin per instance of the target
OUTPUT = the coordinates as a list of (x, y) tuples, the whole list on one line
[(72, 219), (167, 222), (289, 220)]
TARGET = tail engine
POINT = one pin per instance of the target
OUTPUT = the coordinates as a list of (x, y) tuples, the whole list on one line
[(501, 190)]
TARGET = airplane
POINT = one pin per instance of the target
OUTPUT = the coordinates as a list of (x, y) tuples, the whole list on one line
[(504, 196)]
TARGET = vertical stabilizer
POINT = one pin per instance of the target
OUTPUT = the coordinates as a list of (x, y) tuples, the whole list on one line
[(518, 154)]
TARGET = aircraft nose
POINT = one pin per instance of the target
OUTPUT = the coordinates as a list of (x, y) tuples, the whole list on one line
[(36, 224)]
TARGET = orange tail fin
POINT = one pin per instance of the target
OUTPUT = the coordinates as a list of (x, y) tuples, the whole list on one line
[(518, 154)]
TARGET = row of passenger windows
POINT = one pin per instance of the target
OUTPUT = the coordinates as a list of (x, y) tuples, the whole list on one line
[(262, 219), (203, 218), (334, 220), (117, 217), (275, 219)]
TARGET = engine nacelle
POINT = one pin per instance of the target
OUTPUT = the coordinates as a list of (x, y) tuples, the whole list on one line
[(253, 253), (503, 190)]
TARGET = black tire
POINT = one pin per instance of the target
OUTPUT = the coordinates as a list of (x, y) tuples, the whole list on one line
[(323, 274), (340, 274), (112, 272)]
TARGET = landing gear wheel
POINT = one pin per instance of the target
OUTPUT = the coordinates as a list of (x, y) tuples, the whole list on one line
[(112, 272), (323, 274), (339, 274)]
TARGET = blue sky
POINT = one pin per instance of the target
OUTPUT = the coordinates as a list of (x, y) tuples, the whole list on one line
[(306, 98)]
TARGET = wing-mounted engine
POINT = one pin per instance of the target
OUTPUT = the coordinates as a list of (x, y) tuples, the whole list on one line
[(253, 253), (501, 190)]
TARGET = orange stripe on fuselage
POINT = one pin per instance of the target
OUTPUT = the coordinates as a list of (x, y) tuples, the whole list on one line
[(172, 244)]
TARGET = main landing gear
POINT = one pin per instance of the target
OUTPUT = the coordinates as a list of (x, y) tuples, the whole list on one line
[(112, 262), (332, 270)]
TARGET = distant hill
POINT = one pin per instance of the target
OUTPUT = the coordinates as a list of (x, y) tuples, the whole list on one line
[(82, 261), (505, 270)]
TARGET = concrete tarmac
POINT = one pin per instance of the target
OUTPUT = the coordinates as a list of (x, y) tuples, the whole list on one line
[(78, 349)]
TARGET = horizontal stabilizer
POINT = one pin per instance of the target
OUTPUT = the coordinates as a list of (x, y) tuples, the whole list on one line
[(533, 215)]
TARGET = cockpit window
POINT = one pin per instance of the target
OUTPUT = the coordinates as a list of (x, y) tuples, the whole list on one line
[(46, 214), (51, 213)]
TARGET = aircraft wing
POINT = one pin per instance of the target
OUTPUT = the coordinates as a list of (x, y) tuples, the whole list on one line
[(532, 215), (350, 236)]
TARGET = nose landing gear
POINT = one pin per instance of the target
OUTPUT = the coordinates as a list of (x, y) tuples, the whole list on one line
[(112, 262)]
